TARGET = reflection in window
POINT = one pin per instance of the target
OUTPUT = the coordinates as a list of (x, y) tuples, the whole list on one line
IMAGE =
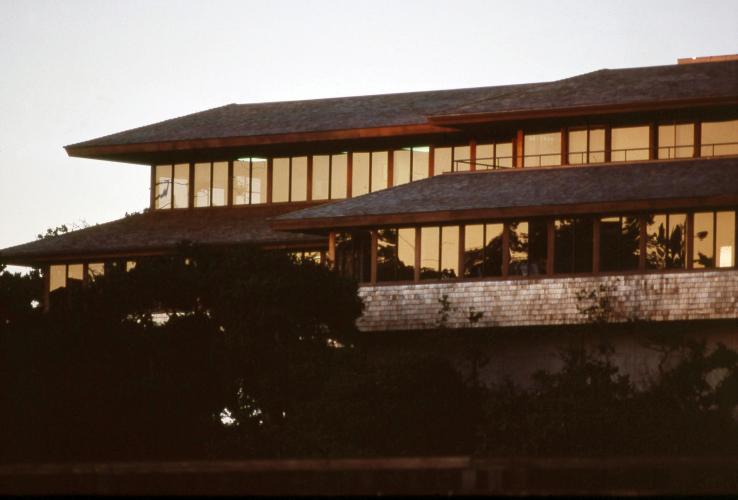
[(396, 254), (163, 186), (676, 141), (586, 146), (410, 164), (666, 241), (57, 277), (430, 252), (95, 270), (542, 149), (725, 239), (353, 254), (211, 184), (719, 138), (249, 181), (573, 245), (494, 155), (449, 251), (202, 184), (259, 175), (528, 247), (483, 250), (714, 239), (630, 143), (619, 243), (181, 186)]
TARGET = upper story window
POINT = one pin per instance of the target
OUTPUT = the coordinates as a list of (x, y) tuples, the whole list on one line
[(211, 184), (586, 146), (630, 143), (410, 164), (330, 177), (172, 187), (542, 150), (369, 172), (250, 181), (676, 141), (494, 155), (719, 138), (289, 179)]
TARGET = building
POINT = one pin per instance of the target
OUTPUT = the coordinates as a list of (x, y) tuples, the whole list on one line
[(513, 205)]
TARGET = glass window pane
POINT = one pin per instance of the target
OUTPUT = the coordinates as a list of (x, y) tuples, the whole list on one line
[(259, 176), (380, 162), (630, 143), (449, 251), (441, 160), (725, 239), (202, 184), (462, 154), (387, 255), (429, 252), (542, 150), (220, 184), (163, 188), (578, 145), (656, 237), (57, 277), (493, 249), (484, 156), (401, 167), (360, 169), (339, 176), (504, 154), (619, 243), (406, 253), (597, 145), (518, 248), (474, 251), (676, 141), (676, 243), (241, 182), (130, 265), (299, 178), (181, 186), (573, 245), (704, 238), (95, 270), (75, 273), (719, 138), (280, 180), (321, 176), (421, 159)]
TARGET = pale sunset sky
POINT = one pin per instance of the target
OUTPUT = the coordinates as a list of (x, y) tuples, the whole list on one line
[(74, 70)]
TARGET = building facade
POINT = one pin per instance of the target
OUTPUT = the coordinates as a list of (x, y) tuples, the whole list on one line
[(609, 196)]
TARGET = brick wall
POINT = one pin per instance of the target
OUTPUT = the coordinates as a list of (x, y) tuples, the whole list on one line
[(547, 301)]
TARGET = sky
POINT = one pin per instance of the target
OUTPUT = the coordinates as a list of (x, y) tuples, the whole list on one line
[(74, 70)]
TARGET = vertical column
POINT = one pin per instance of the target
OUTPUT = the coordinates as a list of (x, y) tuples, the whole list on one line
[(565, 145), (608, 144), (190, 187), (331, 250), (550, 247), (473, 154), (270, 176), (349, 175), (596, 244), (229, 200), (309, 196), (416, 276), (391, 168), (519, 149), (45, 296), (697, 139), (373, 253), (431, 162), (653, 141), (152, 194)]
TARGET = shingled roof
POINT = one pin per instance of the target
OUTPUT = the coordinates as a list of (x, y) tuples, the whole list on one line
[(530, 191), (161, 231), (622, 87)]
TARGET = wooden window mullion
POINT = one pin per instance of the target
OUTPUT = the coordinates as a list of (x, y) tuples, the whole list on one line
[(416, 274)]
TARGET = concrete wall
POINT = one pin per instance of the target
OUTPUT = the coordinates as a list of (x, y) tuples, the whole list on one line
[(698, 295)]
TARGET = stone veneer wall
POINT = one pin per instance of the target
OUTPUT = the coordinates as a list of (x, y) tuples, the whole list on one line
[(694, 295)]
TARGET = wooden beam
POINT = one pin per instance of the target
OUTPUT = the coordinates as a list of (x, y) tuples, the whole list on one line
[(519, 149), (331, 250)]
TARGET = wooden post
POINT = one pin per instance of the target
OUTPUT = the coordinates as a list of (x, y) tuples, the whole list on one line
[(373, 253), (331, 250), (270, 176), (550, 247), (653, 141), (309, 196), (596, 244), (416, 275), (472, 155), (349, 175), (565, 146), (229, 190), (697, 152), (391, 168), (608, 144), (519, 149), (47, 282), (431, 161), (190, 186)]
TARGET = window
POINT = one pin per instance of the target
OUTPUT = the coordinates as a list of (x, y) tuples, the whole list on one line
[(181, 186), (298, 179), (439, 252), (380, 169), (280, 180), (495, 155), (163, 186), (714, 240), (361, 170), (719, 138), (528, 247), (666, 241), (249, 181), (619, 243), (211, 184), (410, 164), (630, 143), (396, 254), (339, 176), (330, 175), (586, 146), (483, 250), (172, 186), (676, 141), (353, 254), (57, 277), (95, 270), (542, 150), (573, 245)]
